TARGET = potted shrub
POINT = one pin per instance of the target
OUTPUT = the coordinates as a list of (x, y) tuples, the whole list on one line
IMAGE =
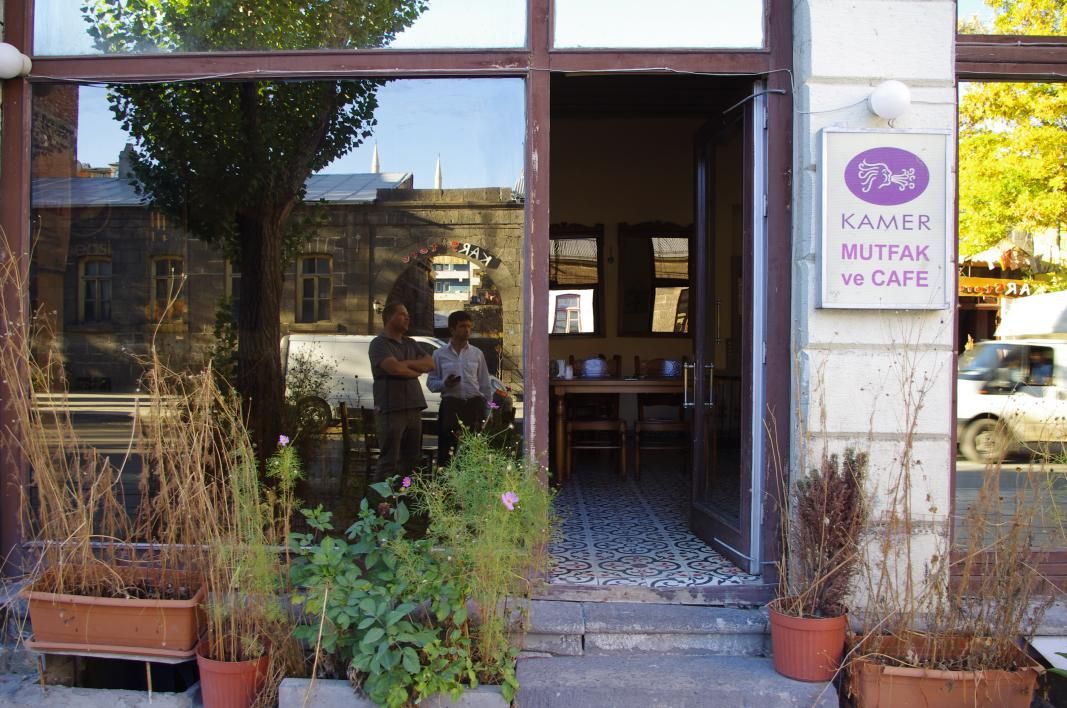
[(394, 613), (100, 577), (827, 514), (952, 638), (244, 572)]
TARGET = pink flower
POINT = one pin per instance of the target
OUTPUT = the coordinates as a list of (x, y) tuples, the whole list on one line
[(494, 405), (406, 482), (510, 500), (283, 440)]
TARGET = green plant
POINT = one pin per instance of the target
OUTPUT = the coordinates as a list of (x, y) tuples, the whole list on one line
[(493, 513), (307, 383), (388, 607)]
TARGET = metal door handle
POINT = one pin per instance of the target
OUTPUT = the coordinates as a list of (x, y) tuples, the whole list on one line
[(687, 402), (710, 369)]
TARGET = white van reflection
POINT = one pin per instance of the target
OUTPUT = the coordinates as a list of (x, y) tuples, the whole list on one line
[(344, 360), (1012, 396)]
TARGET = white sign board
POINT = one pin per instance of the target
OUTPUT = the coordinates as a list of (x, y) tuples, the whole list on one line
[(885, 219)]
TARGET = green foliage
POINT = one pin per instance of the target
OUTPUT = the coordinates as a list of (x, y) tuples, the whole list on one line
[(390, 607), (224, 345), (495, 548), (1013, 142)]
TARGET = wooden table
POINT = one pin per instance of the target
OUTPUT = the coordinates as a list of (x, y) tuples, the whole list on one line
[(561, 388)]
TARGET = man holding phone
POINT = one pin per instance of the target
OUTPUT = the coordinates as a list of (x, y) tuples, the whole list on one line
[(462, 377)]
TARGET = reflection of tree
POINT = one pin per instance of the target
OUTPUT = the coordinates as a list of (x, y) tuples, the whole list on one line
[(1013, 143), (230, 158)]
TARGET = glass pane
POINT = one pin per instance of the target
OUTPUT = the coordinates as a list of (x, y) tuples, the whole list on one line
[(997, 17), (670, 310), (62, 28), (573, 260), (571, 311), (373, 235), (671, 257), (667, 24), (1011, 392)]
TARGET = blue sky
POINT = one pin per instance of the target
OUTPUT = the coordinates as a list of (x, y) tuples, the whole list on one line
[(967, 8), (475, 125)]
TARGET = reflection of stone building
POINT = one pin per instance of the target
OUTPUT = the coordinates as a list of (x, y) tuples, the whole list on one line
[(110, 268)]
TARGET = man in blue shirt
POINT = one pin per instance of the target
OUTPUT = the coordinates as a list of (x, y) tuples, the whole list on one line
[(462, 377), (397, 363)]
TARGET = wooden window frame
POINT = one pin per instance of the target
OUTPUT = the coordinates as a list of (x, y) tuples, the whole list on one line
[(642, 231), (564, 231), (83, 278), (1019, 58), (301, 276), (176, 290)]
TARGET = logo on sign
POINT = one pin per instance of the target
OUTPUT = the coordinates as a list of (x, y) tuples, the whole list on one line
[(887, 176)]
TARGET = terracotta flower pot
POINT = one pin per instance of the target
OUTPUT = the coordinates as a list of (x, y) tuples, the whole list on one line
[(806, 648), (230, 684), (115, 625), (876, 684)]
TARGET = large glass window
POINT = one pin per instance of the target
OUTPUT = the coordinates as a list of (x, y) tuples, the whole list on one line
[(993, 17), (668, 23), (376, 225), (62, 27)]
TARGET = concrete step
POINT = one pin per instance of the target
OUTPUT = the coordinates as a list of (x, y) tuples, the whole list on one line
[(623, 628), (662, 682)]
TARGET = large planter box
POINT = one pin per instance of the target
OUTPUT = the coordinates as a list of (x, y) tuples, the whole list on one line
[(298, 693), (168, 629), (876, 685)]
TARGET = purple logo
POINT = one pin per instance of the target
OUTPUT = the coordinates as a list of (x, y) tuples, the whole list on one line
[(887, 176)]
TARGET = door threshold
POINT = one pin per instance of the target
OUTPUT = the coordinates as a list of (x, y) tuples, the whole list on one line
[(747, 595)]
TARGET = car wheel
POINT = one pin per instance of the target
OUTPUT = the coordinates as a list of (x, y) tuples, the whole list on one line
[(314, 414), (986, 441)]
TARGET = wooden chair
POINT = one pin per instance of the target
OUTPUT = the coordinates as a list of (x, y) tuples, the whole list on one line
[(593, 422), (661, 423)]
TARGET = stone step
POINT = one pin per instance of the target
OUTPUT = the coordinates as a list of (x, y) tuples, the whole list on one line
[(661, 682), (624, 628)]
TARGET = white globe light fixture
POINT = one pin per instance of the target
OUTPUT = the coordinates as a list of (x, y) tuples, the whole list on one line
[(890, 99), (12, 62)]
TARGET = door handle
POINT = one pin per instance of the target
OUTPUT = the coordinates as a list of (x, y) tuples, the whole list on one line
[(687, 402), (709, 368)]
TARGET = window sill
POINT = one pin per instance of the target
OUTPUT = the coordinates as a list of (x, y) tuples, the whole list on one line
[(325, 327)]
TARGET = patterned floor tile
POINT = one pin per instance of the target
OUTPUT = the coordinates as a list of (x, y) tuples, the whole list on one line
[(626, 532)]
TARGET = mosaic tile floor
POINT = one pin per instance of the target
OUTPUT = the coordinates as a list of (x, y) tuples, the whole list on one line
[(626, 532)]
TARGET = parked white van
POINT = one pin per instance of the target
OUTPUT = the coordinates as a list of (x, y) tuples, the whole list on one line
[(1012, 394), (346, 358)]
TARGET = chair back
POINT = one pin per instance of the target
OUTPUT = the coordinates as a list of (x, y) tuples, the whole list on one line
[(659, 406), (598, 367)]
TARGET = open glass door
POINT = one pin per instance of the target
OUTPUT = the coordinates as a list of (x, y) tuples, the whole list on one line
[(719, 381)]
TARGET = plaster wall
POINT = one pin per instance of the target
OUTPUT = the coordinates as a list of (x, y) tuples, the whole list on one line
[(880, 380)]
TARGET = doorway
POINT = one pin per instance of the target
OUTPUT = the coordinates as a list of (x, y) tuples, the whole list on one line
[(673, 158)]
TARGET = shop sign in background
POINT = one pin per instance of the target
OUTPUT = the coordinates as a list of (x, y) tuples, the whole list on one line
[(885, 219)]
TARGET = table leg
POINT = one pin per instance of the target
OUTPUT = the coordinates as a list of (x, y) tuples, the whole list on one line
[(561, 439)]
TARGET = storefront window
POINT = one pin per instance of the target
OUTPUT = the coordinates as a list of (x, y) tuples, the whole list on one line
[(61, 29), (164, 266), (667, 24)]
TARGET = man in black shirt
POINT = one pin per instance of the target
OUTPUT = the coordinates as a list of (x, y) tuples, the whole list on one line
[(397, 363)]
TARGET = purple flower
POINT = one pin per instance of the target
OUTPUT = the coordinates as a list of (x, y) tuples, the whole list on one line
[(494, 405), (283, 440), (509, 499), (406, 482)]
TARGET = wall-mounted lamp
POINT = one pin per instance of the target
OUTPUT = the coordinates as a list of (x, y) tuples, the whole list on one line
[(13, 62), (890, 99)]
